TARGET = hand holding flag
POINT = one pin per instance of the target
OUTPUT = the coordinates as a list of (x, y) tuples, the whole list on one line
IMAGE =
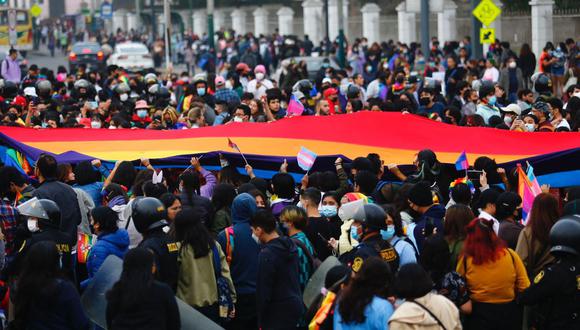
[(234, 146)]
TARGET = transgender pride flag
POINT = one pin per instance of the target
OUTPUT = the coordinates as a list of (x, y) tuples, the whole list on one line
[(306, 159)]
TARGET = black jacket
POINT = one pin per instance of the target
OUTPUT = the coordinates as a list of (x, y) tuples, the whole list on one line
[(66, 198), (278, 294), (165, 250), (201, 205), (156, 310)]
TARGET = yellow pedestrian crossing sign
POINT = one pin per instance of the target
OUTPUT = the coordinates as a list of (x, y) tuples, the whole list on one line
[(487, 36), (35, 10), (486, 12)]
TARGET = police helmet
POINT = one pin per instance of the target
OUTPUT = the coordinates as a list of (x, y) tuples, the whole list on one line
[(82, 83), (46, 211), (122, 88), (542, 83), (148, 213), (43, 88), (304, 86), (163, 93), (372, 217), (150, 78), (10, 90), (565, 236)]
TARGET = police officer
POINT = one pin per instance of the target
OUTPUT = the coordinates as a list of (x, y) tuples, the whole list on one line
[(149, 216), (369, 220), (556, 289), (83, 91), (542, 86), (43, 222)]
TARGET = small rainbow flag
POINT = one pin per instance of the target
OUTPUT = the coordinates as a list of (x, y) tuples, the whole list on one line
[(84, 244), (526, 192)]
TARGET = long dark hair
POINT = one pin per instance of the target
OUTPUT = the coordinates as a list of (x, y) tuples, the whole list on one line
[(457, 217), (191, 185), (544, 214), (125, 174), (525, 50), (436, 257), (136, 279), (189, 230), (373, 279), (38, 280), (85, 173), (223, 195)]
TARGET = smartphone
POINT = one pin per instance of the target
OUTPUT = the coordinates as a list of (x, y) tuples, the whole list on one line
[(322, 238), (93, 105), (473, 175)]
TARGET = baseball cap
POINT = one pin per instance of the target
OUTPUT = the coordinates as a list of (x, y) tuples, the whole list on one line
[(326, 80), (513, 108), (260, 68), (219, 81), (541, 106), (298, 95)]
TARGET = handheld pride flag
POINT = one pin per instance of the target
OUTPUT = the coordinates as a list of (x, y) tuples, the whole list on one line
[(295, 108), (461, 163), (306, 159), (234, 146), (526, 192)]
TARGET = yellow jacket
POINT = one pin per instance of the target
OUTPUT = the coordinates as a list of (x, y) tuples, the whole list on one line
[(497, 281)]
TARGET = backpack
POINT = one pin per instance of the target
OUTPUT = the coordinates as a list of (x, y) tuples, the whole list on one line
[(408, 240), (229, 244), (313, 261)]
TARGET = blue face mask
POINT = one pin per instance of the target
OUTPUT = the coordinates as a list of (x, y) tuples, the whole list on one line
[(492, 100), (329, 211), (201, 91), (354, 233), (141, 113), (389, 233)]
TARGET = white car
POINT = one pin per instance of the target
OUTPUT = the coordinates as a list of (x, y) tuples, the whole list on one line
[(131, 56)]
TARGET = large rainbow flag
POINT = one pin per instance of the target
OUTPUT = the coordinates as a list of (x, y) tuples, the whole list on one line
[(394, 136)]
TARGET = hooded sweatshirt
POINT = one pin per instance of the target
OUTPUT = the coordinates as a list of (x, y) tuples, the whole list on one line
[(116, 243), (244, 265), (278, 294), (435, 214), (412, 316)]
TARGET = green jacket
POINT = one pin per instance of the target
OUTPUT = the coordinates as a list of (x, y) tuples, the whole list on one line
[(196, 282)]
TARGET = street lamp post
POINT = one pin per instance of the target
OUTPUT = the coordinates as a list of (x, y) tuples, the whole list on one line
[(138, 14), (476, 51), (327, 27), (341, 51), (153, 25), (425, 28), (210, 41), (167, 14)]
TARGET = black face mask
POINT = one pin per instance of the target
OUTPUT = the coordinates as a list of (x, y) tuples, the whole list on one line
[(92, 229), (400, 80), (520, 214), (424, 101)]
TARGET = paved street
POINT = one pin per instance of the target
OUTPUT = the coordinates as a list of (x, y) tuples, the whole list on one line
[(42, 58)]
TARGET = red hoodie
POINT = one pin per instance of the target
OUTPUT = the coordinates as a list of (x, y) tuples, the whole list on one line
[(333, 105)]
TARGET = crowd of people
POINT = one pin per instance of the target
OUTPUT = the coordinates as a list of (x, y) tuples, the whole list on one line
[(257, 78), (427, 250)]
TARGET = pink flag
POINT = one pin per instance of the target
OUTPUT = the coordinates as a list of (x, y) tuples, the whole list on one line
[(295, 108)]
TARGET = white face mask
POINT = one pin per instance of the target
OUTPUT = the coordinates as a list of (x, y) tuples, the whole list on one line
[(32, 225), (112, 127), (512, 65), (95, 124), (508, 120), (530, 127), (229, 84), (124, 97), (238, 119), (577, 94), (259, 76)]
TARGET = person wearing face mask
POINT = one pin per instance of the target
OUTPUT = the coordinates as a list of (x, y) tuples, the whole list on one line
[(366, 228), (511, 113), (323, 225), (395, 235), (278, 294), (427, 103), (487, 102), (261, 84), (431, 215), (43, 222), (96, 122), (241, 250), (141, 117), (511, 79), (557, 116), (530, 123), (541, 110), (225, 94), (242, 114)]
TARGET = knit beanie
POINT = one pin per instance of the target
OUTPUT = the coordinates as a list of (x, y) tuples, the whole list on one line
[(420, 194)]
